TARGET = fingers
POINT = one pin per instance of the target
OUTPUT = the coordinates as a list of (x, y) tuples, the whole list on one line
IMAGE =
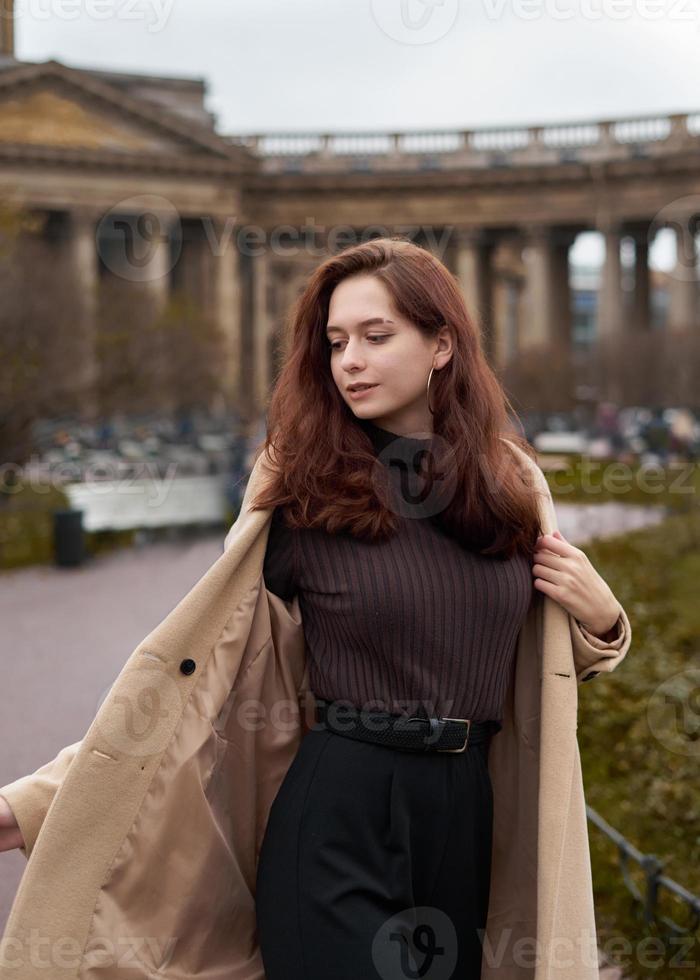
[(10, 839), (546, 572), (558, 562), (556, 545)]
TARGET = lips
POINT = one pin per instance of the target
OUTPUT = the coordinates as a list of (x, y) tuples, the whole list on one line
[(360, 387)]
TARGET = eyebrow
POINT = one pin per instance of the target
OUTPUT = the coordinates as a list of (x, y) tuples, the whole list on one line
[(362, 323)]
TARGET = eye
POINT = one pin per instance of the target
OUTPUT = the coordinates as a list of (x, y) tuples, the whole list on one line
[(383, 336)]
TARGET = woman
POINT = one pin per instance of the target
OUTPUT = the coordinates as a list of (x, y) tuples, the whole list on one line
[(405, 531), (411, 603)]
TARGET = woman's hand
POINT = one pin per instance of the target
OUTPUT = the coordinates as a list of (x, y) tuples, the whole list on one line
[(564, 573), (10, 835)]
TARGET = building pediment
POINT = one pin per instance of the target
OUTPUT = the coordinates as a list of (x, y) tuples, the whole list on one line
[(46, 117), (53, 106)]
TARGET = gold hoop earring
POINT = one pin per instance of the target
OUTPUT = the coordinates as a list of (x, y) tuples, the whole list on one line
[(427, 390)]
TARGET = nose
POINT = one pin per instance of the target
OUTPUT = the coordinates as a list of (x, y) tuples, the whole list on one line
[(351, 357)]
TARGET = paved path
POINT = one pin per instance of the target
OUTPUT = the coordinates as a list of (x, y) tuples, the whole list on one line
[(68, 632), (66, 635)]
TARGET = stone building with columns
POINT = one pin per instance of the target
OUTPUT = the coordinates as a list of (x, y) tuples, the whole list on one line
[(119, 159)]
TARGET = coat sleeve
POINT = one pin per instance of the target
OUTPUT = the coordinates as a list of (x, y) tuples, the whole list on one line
[(31, 796), (592, 655)]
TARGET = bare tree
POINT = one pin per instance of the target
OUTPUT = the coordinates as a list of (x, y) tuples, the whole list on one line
[(148, 360), (156, 362)]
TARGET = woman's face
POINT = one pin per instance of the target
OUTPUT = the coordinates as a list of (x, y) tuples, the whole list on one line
[(390, 353)]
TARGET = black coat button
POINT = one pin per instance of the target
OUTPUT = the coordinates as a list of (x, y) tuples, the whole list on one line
[(188, 666)]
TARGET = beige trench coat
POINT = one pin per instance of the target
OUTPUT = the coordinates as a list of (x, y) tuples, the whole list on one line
[(142, 839)]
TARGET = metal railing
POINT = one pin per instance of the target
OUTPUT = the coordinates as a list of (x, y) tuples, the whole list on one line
[(654, 880)]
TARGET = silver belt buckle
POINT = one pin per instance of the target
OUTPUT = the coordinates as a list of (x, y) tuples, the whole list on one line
[(466, 738)]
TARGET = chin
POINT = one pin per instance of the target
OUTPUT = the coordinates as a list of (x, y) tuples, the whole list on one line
[(365, 411)]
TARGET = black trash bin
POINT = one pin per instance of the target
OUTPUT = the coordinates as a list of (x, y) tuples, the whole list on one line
[(68, 537)]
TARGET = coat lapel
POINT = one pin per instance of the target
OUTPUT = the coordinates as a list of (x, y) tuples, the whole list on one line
[(146, 858)]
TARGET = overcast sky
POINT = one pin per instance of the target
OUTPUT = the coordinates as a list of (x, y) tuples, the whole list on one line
[(274, 65)]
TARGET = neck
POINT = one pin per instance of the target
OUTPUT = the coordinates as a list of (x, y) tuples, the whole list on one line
[(413, 419)]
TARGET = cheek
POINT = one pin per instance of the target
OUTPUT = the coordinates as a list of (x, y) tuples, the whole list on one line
[(400, 370), (404, 371), (336, 372)]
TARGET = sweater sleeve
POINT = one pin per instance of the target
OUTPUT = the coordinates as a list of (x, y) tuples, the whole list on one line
[(279, 566)]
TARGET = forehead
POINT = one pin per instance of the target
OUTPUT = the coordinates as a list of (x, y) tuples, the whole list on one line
[(358, 298)]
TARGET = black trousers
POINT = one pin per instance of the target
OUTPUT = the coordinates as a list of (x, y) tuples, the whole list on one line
[(375, 863)]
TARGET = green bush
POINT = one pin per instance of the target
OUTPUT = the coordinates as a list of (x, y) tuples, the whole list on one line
[(592, 481), (644, 782), (26, 525)]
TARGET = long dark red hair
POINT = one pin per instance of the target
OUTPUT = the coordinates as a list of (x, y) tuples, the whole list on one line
[(326, 469)]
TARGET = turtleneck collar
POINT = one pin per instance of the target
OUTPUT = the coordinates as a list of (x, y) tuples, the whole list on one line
[(381, 438)]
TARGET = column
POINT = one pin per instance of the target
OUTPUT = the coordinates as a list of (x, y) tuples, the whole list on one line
[(7, 28), (545, 303), (262, 326), (227, 302), (157, 264), (683, 307), (136, 248), (562, 241), (641, 299), (610, 319), (474, 272), (193, 273), (506, 291), (159, 241), (507, 272), (82, 256), (286, 284)]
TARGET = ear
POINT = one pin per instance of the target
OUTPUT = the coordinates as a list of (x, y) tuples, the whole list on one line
[(445, 341)]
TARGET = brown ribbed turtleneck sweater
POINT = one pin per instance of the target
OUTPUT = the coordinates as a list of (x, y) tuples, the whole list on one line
[(417, 624)]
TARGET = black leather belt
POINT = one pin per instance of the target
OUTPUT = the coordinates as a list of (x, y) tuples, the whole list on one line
[(412, 733)]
